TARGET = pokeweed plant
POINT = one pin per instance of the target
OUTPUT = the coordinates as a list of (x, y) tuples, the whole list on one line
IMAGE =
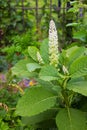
[(60, 76)]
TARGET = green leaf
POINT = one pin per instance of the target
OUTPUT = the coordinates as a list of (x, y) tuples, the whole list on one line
[(46, 84), (48, 73), (32, 50), (79, 67), (33, 66), (72, 24), (71, 119), (44, 51), (20, 68), (35, 101), (81, 35), (51, 86), (74, 52), (48, 78), (78, 86), (49, 114)]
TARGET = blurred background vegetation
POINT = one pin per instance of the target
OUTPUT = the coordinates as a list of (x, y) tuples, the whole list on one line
[(19, 16), (26, 22)]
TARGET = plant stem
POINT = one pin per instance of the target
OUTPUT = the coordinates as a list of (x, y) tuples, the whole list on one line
[(64, 93)]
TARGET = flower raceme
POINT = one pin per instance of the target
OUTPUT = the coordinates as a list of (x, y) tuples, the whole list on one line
[(53, 44), (39, 58)]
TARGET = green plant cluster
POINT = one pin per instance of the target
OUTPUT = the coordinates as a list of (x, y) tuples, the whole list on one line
[(18, 49), (3, 63), (11, 20), (79, 26), (8, 120), (59, 91), (58, 100), (14, 20)]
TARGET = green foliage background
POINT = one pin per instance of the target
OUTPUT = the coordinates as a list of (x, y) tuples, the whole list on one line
[(59, 100)]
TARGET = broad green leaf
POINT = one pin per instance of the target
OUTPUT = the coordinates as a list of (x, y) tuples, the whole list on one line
[(32, 50), (74, 52), (71, 119), (44, 51), (20, 68), (81, 35), (48, 73), (79, 67), (35, 101), (47, 84), (78, 86), (33, 66), (48, 78), (40, 117), (50, 86)]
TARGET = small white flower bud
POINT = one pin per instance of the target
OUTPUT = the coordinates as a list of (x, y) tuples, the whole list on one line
[(40, 58), (65, 70)]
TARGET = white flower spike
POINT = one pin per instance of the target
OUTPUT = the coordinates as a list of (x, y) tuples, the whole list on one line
[(39, 58), (65, 70), (53, 44)]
